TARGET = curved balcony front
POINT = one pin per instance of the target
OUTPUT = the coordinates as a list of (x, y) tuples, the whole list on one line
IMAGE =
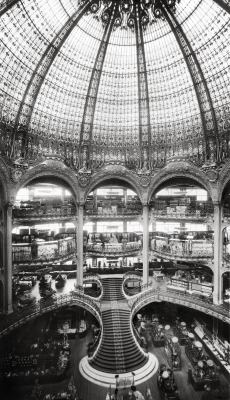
[(40, 252), (130, 249), (113, 212), (35, 212), (194, 211), (171, 247)]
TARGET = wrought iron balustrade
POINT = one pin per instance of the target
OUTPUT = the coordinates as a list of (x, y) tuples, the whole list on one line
[(115, 248), (20, 317), (188, 300), (167, 244), (194, 210), (37, 212), (43, 251)]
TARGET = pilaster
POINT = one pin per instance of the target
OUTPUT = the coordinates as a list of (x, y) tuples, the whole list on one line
[(218, 250), (79, 242), (145, 251), (8, 257)]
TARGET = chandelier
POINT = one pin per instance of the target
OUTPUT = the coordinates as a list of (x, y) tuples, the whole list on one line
[(147, 11)]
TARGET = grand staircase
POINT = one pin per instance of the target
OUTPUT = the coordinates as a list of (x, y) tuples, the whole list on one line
[(112, 289), (118, 352)]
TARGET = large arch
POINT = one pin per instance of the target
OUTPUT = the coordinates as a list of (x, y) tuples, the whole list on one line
[(116, 173), (54, 169), (177, 170)]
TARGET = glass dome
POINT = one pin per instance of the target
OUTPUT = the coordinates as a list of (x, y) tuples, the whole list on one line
[(74, 84)]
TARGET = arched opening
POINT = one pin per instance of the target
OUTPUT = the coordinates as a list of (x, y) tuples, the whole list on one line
[(181, 237), (112, 230), (43, 239), (55, 340), (184, 337)]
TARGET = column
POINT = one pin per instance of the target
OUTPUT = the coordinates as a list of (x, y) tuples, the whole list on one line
[(125, 196), (218, 248), (79, 240), (145, 251), (8, 258), (95, 226), (125, 225)]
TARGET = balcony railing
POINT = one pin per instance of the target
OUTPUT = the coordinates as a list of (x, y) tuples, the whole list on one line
[(113, 248), (188, 300), (194, 210), (18, 318), (36, 211), (108, 212), (183, 248), (43, 251)]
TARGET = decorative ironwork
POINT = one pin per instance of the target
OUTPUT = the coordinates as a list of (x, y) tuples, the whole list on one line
[(143, 93), (208, 117), (225, 4), (22, 121), (148, 12), (6, 5), (108, 17)]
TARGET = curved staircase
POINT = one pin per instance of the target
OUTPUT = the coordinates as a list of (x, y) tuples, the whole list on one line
[(118, 352)]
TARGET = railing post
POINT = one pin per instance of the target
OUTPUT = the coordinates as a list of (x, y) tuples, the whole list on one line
[(218, 249), (145, 250)]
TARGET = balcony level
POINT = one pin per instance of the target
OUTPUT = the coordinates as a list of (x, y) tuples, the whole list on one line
[(31, 212), (195, 246), (40, 252)]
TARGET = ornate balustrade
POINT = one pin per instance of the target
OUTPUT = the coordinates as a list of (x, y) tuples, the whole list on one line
[(36, 212), (107, 212), (113, 248), (155, 295), (194, 210), (19, 318), (183, 248), (43, 251), (91, 276), (132, 275)]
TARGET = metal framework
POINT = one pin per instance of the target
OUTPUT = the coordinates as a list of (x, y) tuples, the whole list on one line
[(7, 5), (91, 98), (225, 4), (39, 74), (208, 117), (143, 93)]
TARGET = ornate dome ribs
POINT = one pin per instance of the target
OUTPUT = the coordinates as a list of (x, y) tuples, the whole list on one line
[(127, 81)]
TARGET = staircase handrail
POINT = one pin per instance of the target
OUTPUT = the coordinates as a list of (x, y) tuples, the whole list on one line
[(133, 272), (91, 275), (142, 298), (42, 306)]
